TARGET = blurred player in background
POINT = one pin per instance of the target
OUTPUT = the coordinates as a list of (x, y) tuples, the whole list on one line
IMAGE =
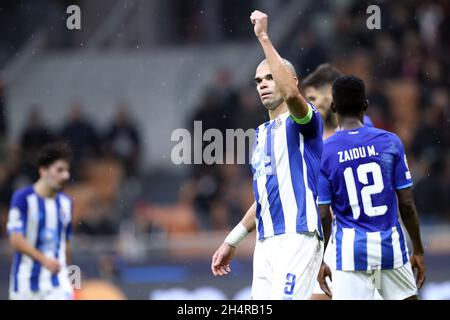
[(39, 227), (365, 179), (317, 88), (285, 165)]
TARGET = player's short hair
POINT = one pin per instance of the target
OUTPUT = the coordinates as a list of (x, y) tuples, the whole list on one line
[(286, 63), (51, 153), (325, 74), (349, 95)]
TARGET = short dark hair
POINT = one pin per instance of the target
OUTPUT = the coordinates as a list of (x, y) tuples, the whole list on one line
[(51, 153), (349, 95), (325, 74)]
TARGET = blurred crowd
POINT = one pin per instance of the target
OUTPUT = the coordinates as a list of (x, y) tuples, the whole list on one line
[(101, 161), (406, 67)]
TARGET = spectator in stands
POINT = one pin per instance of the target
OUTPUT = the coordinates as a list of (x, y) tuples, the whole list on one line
[(433, 136), (249, 114), (81, 136), (122, 141), (432, 192), (311, 54), (36, 134), (2, 111)]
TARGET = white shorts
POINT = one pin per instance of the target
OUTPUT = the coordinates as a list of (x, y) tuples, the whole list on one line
[(285, 267), (58, 293), (395, 284), (330, 259)]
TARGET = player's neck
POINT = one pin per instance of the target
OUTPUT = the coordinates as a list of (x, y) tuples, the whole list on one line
[(349, 123), (275, 113), (328, 132), (43, 190)]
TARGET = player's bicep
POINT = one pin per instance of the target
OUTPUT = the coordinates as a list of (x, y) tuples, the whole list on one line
[(404, 195), (325, 212)]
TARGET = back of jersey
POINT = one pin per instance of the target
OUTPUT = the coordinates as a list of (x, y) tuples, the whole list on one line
[(360, 171)]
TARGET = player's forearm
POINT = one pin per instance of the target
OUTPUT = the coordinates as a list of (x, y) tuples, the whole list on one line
[(249, 219), (410, 219), (20, 244), (284, 79), (242, 230), (325, 216), (68, 254)]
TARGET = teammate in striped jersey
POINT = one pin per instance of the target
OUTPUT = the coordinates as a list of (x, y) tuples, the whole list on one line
[(317, 87), (285, 166), (39, 227), (365, 179)]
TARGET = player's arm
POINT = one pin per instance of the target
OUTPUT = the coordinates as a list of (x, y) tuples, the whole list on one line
[(17, 218), (325, 271), (326, 217), (20, 244), (68, 253), (68, 239), (286, 82), (220, 264), (408, 212), (410, 219), (324, 201)]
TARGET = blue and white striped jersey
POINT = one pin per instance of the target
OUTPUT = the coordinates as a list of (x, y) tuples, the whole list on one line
[(360, 171), (285, 167), (46, 224)]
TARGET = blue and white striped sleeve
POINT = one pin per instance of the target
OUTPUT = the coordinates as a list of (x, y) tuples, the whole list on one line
[(17, 215)]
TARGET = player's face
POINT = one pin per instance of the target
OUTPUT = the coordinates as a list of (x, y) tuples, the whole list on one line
[(56, 175), (268, 92), (321, 98)]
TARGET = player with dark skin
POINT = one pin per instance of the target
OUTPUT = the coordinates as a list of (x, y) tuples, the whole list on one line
[(351, 120)]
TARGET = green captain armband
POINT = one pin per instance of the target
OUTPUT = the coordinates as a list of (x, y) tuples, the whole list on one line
[(306, 119)]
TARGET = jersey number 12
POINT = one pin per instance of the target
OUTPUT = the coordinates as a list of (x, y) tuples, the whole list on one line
[(367, 191)]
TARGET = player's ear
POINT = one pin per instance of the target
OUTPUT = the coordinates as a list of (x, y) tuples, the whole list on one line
[(332, 107), (366, 105), (41, 171), (296, 81)]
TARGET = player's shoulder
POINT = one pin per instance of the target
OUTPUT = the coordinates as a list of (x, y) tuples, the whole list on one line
[(342, 138), (391, 136), (23, 193), (262, 126), (65, 196)]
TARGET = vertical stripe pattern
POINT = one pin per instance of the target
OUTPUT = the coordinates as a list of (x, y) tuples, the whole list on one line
[(285, 201)]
